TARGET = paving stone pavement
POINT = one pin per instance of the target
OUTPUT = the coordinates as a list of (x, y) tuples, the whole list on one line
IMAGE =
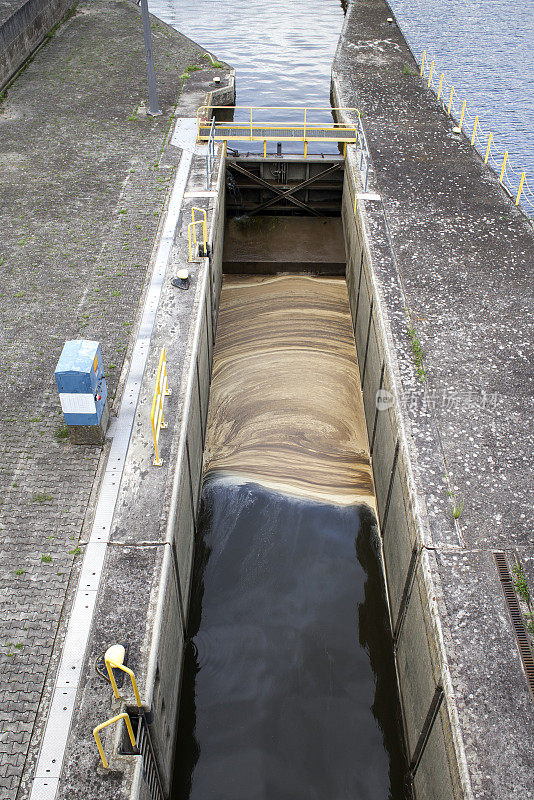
[(82, 194)]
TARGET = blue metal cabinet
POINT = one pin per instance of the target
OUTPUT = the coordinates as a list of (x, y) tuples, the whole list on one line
[(81, 383)]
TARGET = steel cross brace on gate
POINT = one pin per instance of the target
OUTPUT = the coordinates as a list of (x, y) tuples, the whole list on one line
[(280, 193)]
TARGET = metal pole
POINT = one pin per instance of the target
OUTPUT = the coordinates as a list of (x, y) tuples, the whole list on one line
[(151, 73)]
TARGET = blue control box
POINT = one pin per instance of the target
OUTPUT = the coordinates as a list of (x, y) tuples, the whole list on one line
[(81, 383)]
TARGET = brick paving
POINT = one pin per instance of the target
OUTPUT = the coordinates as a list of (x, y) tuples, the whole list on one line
[(82, 194)]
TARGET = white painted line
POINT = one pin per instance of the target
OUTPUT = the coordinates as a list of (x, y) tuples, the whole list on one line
[(59, 717), (73, 649), (188, 195), (44, 788), (60, 714), (368, 196)]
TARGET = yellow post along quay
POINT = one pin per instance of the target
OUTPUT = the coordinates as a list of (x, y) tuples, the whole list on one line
[(161, 390)]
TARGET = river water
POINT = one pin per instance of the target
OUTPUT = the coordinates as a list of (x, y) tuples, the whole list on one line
[(486, 51), (282, 52)]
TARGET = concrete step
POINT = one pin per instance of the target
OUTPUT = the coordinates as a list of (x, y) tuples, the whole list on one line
[(266, 245), (241, 267)]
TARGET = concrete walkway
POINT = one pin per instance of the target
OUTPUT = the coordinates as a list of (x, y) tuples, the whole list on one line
[(465, 258), (83, 189)]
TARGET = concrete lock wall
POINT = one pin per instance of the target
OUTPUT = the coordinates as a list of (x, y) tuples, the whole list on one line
[(407, 561), (24, 30), (168, 635)]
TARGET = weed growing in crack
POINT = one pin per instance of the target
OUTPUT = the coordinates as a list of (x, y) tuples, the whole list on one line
[(520, 583), (417, 352)]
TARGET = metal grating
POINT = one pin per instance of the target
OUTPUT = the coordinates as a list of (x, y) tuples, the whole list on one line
[(521, 635), (150, 765)]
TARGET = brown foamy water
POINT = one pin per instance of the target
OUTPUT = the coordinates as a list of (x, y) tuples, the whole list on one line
[(285, 406)]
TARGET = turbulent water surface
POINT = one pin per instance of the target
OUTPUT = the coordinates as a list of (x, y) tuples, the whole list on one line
[(285, 406), (289, 687)]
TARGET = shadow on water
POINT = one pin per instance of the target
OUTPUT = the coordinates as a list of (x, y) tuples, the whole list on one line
[(289, 687)]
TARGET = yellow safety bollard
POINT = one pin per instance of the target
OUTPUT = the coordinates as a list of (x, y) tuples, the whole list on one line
[(503, 165), (430, 74), (423, 64), (473, 137), (96, 732), (450, 101), (440, 84), (488, 148), (462, 115), (521, 182)]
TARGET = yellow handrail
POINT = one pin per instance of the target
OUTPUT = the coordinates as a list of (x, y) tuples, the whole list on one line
[(488, 149), (252, 129), (503, 165), (96, 732), (161, 390), (474, 136), (109, 666), (440, 84), (204, 221), (192, 227), (450, 100), (462, 116)]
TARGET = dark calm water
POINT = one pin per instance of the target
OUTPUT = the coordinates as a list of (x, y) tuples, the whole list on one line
[(289, 689)]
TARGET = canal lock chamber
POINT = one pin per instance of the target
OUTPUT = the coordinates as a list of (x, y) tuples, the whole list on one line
[(284, 667)]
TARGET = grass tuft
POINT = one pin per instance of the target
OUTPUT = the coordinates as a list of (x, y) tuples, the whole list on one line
[(41, 497), (417, 351), (61, 434), (520, 583)]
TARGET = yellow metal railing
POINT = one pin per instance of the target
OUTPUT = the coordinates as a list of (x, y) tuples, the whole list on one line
[(117, 664), (96, 734), (192, 230), (300, 125), (513, 180), (161, 391)]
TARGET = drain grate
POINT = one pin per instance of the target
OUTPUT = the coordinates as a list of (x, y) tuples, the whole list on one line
[(521, 635)]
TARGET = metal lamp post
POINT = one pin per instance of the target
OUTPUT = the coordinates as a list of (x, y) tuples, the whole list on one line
[(151, 73)]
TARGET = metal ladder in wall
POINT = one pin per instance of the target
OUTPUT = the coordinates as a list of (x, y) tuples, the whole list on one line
[(145, 749)]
